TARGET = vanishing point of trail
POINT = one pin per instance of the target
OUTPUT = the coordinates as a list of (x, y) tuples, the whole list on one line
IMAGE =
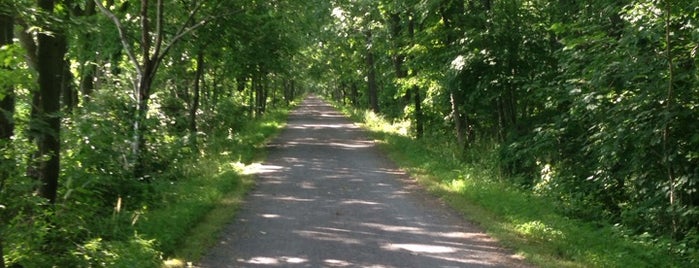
[(326, 197)]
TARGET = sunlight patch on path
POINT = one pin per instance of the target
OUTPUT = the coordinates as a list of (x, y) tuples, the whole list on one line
[(419, 248), (258, 168), (274, 260)]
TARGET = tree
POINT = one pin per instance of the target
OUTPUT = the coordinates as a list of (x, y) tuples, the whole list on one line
[(371, 72), (401, 20), (51, 49), (7, 128), (153, 49), (194, 105), (451, 13)]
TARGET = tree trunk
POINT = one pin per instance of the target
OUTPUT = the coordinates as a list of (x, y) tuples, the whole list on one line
[(251, 98), (261, 95), (194, 106), (88, 72), (69, 94), (417, 98), (7, 104), (354, 94), (666, 133), (87, 81), (419, 124), (289, 87), (152, 51), (7, 127), (371, 74), (451, 12), (258, 96), (458, 119), (292, 92), (51, 52), (138, 144)]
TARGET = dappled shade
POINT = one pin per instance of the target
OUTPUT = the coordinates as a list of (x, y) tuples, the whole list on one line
[(327, 198)]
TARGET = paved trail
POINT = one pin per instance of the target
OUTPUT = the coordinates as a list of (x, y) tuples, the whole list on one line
[(326, 197)]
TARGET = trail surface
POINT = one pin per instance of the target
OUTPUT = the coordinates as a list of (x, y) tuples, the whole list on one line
[(326, 197)]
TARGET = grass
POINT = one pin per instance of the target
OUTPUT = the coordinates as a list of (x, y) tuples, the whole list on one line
[(528, 224), (199, 206)]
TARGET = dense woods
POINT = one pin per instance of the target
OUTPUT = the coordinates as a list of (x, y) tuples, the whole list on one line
[(106, 104), (592, 104)]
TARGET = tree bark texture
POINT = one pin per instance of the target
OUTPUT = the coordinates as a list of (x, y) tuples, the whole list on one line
[(51, 51), (7, 104), (7, 127)]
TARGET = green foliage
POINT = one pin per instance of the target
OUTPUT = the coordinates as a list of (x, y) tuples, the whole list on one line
[(106, 218), (579, 99), (531, 224), (103, 216), (135, 252), (589, 106), (12, 71)]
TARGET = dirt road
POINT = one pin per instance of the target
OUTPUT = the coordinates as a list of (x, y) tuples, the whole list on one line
[(326, 197)]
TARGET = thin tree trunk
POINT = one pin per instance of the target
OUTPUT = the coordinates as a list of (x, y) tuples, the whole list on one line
[(417, 98), (138, 144), (354, 94), (194, 106), (669, 99), (69, 94), (419, 124), (371, 74), (287, 84), (7, 127), (7, 104), (451, 12), (261, 97), (292, 90), (87, 81), (251, 98), (458, 119), (88, 72)]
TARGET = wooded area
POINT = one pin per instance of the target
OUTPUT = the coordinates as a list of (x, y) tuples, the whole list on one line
[(105, 103), (594, 104)]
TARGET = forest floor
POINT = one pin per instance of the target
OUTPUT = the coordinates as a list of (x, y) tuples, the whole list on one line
[(327, 197)]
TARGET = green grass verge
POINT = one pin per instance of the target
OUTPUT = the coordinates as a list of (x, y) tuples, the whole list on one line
[(528, 224), (197, 207)]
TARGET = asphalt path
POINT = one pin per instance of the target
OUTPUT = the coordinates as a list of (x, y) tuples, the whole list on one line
[(327, 197)]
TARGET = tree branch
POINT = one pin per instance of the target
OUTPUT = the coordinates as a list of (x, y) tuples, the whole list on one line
[(158, 30), (122, 36), (183, 31)]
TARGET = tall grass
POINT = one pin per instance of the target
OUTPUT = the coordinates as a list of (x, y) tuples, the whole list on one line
[(200, 206)]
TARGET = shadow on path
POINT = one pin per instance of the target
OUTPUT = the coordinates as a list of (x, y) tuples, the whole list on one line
[(326, 197)]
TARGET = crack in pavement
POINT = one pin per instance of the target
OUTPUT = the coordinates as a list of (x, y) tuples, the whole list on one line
[(326, 197)]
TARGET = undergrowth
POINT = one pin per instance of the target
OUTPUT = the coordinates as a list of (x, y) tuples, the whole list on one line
[(187, 213), (529, 224), (199, 207)]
